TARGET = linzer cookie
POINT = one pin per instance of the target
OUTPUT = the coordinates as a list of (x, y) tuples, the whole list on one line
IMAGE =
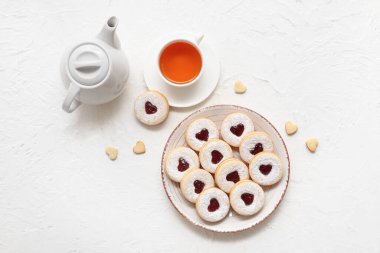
[(265, 168), (213, 205), (151, 108), (235, 127), (199, 132), (230, 172), (194, 182), (254, 143), (179, 161), (247, 197), (213, 153)]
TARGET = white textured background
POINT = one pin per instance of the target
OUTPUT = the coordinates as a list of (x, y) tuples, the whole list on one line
[(314, 62)]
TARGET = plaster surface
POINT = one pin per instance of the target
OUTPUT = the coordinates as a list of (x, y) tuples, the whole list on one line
[(313, 62)]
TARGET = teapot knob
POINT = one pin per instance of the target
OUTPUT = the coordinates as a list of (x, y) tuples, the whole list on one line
[(88, 64)]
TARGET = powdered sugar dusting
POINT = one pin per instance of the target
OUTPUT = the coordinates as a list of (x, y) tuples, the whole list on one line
[(265, 158), (172, 162), (187, 183), (227, 167), (250, 141), (233, 120), (195, 127), (204, 201), (205, 154), (157, 100), (237, 202)]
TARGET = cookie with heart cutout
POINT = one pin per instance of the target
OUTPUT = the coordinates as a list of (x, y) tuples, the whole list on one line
[(265, 168), (230, 172), (254, 143), (235, 127), (151, 108), (179, 161), (213, 153), (247, 197), (194, 182), (212, 205), (199, 132)]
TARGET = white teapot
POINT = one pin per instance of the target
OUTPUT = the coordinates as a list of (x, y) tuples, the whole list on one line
[(95, 71)]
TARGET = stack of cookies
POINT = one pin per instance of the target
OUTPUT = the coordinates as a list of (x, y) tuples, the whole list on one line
[(211, 177)]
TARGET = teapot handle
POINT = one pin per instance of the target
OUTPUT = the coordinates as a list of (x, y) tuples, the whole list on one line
[(70, 103)]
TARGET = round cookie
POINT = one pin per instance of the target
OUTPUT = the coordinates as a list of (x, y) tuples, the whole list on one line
[(212, 205), (235, 127), (254, 143), (213, 153), (229, 172), (199, 132), (151, 108), (247, 197), (179, 161), (194, 182), (265, 168)]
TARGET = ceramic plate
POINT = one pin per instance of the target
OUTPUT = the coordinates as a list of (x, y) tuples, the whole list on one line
[(233, 222), (185, 96)]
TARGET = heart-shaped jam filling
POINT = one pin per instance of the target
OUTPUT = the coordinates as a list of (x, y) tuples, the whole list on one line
[(182, 165), (247, 198), (202, 135), (214, 205), (198, 186), (216, 156), (150, 108), (233, 176), (257, 149), (265, 169), (237, 130)]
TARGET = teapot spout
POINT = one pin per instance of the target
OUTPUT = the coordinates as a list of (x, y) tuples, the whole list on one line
[(108, 34)]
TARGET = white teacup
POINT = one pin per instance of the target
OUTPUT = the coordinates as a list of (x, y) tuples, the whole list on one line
[(194, 42)]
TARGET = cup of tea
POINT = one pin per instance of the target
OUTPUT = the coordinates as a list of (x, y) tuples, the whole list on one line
[(180, 61)]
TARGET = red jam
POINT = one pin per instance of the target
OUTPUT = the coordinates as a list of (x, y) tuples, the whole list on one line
[(233, 176), (247, 198), (258, 148), (182, 165), (202, 135), (198, 186), (265, 169), (237, 130), (216, 156), (214, 205), (150, 108)]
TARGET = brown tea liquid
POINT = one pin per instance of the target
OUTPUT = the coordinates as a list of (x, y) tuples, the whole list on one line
[(180, 62)]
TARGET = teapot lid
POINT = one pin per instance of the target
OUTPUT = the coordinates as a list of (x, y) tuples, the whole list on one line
[(88, 64)]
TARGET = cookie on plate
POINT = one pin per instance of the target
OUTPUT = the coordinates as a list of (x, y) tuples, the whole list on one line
[(151, 108), (254, 143), (265, 168), (199, 132), (235, 127), (212, 205), (229, 172), (194, 182), (179, 161), (247, 197), (213, 153)]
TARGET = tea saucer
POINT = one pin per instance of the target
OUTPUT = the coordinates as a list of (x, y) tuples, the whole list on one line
[(183, 96)]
